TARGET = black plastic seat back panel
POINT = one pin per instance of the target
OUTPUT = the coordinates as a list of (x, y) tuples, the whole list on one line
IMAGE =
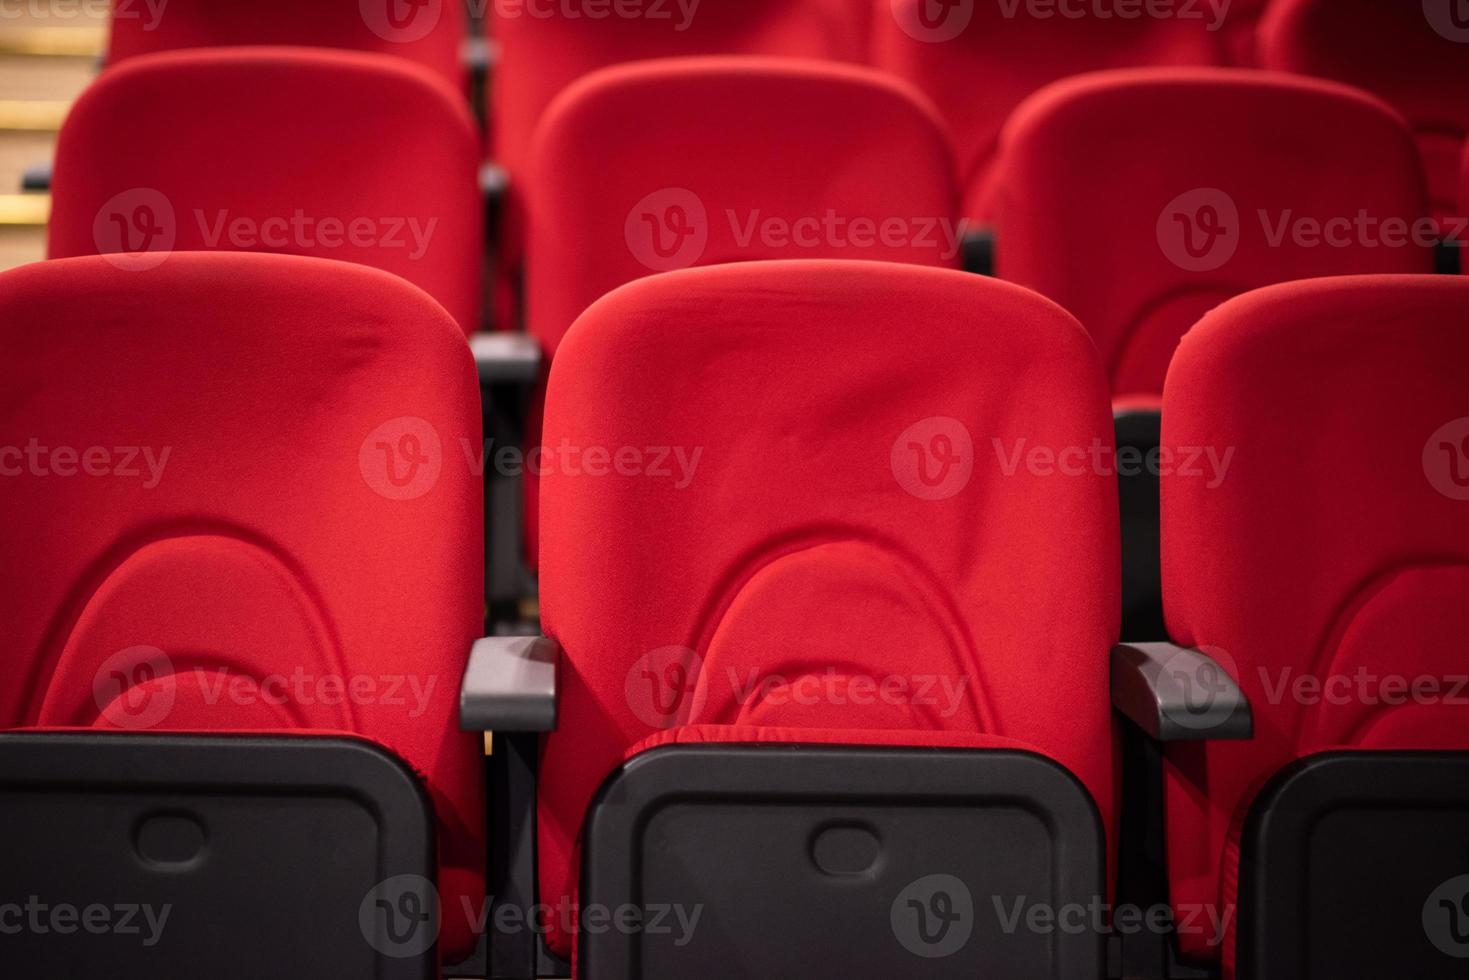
[(229, 858), (759, 861), (1356, 865)]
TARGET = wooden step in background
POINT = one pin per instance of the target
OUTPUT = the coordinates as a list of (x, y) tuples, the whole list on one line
[(48, 54)]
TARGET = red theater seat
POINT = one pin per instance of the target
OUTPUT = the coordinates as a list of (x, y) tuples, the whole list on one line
[(735, 159), (339, 155), (978, 62), (1140, 199), (1459, 226), (230, 478), (835, 510), (542, 50), (1414, 55), (1241, 29), (1328, 567), (429, 32)]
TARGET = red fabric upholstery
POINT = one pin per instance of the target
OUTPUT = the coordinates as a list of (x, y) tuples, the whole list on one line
[(541, 53), (1336, 549), (430, 32), (978, 76), (1140, 199), (1414, 55), (848, 486), (716, 140), (754, 735), (358, 157), (1463, 233), (1241, 29), (751, 140), (266, 570)]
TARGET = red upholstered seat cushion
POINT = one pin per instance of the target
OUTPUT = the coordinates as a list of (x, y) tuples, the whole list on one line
[(828, 515), (1140, 199), (233, 480), (431, 34), (333, 154), (1329, 568)]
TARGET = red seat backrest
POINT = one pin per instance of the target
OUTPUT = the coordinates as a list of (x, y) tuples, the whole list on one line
[(1414, 55), (733, 159), (795, 458), (1336, 543), (232, 504), (1458, 225), (429, 32), (358, 157), (1140, 199), (1241, 30), (979, 59), (541, 50)]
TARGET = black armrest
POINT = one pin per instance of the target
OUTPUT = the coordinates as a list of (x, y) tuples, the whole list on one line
[(510, 689), (1448, 257), (494, 188), (477, 54), (1177, 694), (36, 179), (1137, 429), (510, 685), (509, 365), (494, 183), (1140, 427), (978, 250), (506, 358)]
